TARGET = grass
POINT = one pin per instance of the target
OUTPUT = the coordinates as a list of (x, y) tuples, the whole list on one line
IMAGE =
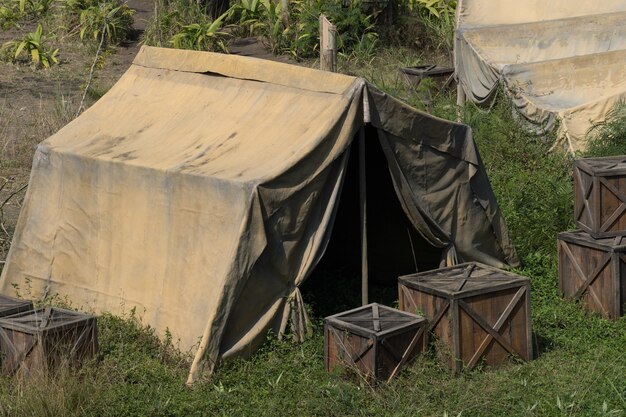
[(581, 365)]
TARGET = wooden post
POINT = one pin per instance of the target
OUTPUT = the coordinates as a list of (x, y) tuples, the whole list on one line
[(363, 204), (328, 46), (285, 12), (460, 101)]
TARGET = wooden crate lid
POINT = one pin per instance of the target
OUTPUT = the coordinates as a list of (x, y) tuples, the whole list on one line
[(10, 305), (45, 319), (605, 166), (606, 244), (463, 280), (375, 320)]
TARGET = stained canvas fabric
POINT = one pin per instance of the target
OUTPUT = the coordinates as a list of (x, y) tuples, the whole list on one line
[(559, 61), (201, 190)]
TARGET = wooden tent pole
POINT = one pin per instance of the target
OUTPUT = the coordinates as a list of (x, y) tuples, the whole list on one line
[(363, 206), (460, 101)]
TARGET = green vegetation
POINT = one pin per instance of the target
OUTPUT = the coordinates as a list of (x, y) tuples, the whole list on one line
[(33, 45), (93, 19), (205, 36), (581, 365)]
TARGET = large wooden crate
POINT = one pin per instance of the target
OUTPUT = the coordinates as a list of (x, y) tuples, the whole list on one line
[(593, 270), (477, 313), (36, 341), (600, 196), (10, 306), (375, 340)]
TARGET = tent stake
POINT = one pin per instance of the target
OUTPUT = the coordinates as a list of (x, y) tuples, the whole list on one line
[(363, 204)]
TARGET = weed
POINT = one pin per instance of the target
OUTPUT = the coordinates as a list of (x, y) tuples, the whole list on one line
[(91, 19), (609, 136), (170, 16), (204, 36), (32, 45)]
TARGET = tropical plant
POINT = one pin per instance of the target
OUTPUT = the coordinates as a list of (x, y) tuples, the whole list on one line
[(34, 8), (9, 16), (33, 45), (247, 15), (92, 19), (608, 137), (171, 16), (202, 36), (433, 8)]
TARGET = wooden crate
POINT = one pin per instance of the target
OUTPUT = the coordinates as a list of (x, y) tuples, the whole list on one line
[(10, 306), (375, 340), (476, 312), (600, 196), (36, 341), (593, 270)]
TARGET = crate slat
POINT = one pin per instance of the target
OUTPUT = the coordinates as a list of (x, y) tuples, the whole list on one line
[(375, 340), (593, 270), (477, 313), (600, 196), (35, 341)]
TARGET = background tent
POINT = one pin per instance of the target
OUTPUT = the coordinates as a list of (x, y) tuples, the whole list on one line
[(560, 60), (202, 189)]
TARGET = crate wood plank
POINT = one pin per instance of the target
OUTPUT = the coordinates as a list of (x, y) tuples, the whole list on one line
[(476, 311), (593, 270), (600, 196), (374, 339), (34, 341), (10, 306)]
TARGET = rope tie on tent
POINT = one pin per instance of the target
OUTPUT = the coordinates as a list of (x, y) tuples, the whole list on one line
[(449, 256), (295, 314)]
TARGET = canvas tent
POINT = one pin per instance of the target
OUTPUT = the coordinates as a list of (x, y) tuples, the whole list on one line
[(559, 60), (202, 190)]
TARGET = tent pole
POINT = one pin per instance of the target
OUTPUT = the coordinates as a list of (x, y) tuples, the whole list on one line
[(363, 206), (460, 101)]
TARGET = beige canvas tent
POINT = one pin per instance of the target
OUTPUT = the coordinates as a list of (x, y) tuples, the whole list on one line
[(202, 189), (560, 61)]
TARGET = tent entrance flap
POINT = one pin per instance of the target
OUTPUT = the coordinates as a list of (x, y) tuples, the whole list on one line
[(394, 247)]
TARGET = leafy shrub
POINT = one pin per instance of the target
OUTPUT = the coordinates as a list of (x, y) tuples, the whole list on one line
[(185, 24), (34, 8), (89, 18), (204, 36), (9, 16), (609, 136), (298, 33), (32, 45), (12, 11)]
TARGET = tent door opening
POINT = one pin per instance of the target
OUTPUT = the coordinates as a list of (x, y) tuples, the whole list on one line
[(394, 247)]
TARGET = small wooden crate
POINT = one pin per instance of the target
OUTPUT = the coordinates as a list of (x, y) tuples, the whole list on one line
[(475, 311), (593, 270), (10, 306), (600, 196), (375, 340), (35, 341)]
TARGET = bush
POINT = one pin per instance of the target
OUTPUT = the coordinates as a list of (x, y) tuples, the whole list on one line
[(186, 25), (204, 36), (298, 33), (609, 136), (92, 19), (33, 45)]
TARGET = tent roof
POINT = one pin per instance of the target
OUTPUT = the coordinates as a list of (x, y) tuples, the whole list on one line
[(234, 129), (559, 60)]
